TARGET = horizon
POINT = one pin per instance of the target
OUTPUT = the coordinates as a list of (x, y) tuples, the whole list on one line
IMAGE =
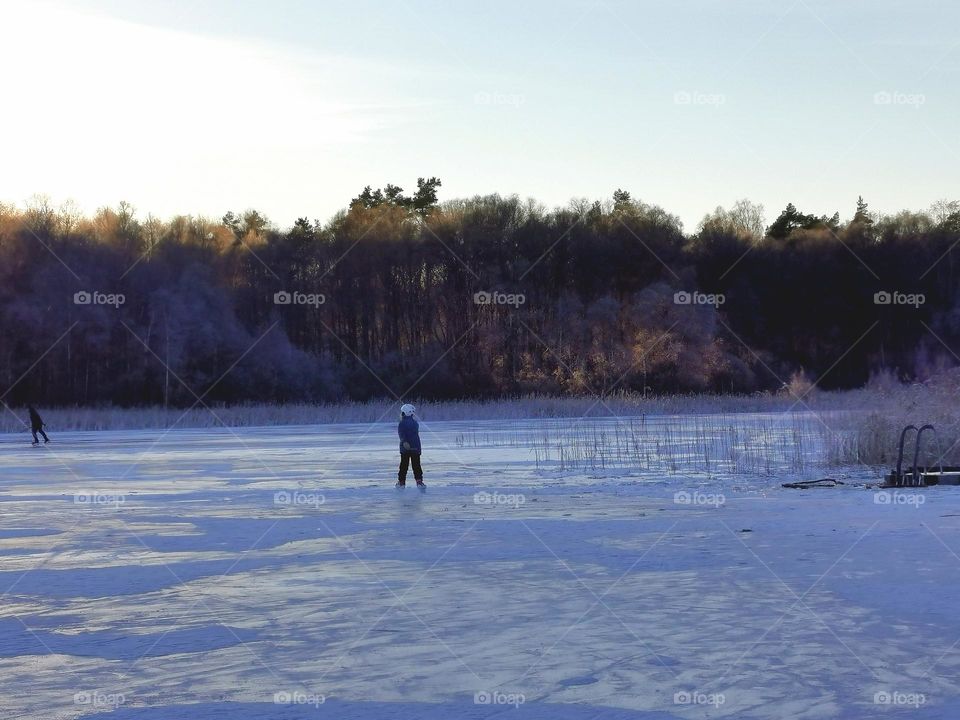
[(69, 204), (293, 113)]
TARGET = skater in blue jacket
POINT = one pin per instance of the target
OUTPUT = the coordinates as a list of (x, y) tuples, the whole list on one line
[(409, 432)]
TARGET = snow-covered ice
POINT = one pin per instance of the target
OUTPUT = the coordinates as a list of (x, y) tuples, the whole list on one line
[(276, 573)]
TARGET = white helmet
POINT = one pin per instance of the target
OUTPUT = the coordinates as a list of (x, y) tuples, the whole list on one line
[(407, 409)]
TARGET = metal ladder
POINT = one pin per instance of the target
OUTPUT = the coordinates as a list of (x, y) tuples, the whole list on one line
[(914, 478)]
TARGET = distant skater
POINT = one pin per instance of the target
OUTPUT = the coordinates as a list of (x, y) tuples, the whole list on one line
[(36, 425), (409, 432)]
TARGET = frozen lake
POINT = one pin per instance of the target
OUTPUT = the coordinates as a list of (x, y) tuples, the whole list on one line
[(276, 573)]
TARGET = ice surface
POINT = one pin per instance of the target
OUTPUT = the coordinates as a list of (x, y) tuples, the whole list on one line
[(276, 573)]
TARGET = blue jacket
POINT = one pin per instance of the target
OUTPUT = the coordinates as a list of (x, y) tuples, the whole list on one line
[(409, 432)]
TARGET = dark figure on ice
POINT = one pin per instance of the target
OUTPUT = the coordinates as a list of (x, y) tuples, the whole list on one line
[(409, 431), (36, 425)]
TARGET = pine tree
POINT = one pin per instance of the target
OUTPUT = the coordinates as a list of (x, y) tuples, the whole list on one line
[(862, 216)]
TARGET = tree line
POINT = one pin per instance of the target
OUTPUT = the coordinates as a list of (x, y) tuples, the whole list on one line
[(404, 295)]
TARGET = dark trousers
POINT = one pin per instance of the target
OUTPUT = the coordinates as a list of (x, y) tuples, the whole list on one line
[(407, 459), (36, 430)]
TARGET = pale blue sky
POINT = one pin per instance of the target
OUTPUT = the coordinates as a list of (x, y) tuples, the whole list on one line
[(292, 107)]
